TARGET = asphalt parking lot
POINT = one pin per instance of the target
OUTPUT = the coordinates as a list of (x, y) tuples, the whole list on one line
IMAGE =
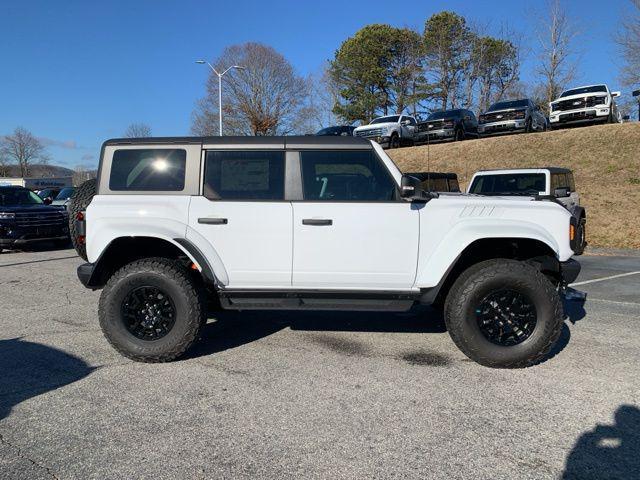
[(312, 395)]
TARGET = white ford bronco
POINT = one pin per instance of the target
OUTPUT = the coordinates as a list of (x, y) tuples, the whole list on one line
[(174, 226)]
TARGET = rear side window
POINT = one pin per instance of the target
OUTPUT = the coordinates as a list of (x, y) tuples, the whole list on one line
[(349, 175), (160, 170), (244, 175), (572, 182), (559, 180)]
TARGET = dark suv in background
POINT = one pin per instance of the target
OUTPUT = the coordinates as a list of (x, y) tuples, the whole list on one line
[(455, 124), (512, 116), (24, 218)]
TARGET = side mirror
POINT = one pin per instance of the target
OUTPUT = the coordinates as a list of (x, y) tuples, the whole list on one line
[(467, 118), (615, 94), (561, 192), (405, 122), (411, 189), (48, 201)]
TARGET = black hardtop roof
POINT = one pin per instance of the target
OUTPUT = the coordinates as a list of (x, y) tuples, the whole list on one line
[(551, 169), (291, 142)]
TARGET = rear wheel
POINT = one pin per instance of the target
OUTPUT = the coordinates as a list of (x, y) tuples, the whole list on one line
[(79, 203), (151, 310), (504, 314)]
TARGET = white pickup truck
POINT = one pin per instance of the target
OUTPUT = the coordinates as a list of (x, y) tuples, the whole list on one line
[(588, 104), (392, 131), (174, 226)]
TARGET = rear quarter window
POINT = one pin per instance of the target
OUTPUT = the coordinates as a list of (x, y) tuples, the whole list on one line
[(160, 170)]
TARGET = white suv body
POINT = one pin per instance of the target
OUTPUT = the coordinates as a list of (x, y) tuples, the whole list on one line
[(391, 130), (587, 104), (300, 222)]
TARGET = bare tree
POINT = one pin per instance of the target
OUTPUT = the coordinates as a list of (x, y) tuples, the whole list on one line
[(557, 54), (264, 98), (628, 39), (23, 149), (137, 130), (82, 173)]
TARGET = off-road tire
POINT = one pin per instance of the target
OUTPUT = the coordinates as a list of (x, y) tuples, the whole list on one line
[(79, 202), (187, 297), (581, 234), (394, 141), (485, 277)]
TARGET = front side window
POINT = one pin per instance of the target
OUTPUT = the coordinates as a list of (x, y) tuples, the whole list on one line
[(350, 175), (160, 170), (244, 175)]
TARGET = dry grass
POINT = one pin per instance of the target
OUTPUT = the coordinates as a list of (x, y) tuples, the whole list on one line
[(605, 160)]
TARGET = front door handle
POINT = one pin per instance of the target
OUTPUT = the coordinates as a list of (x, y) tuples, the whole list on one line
[(213, 221), (317, 221)]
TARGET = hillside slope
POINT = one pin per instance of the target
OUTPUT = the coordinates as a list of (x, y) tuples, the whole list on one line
[(604, 158)]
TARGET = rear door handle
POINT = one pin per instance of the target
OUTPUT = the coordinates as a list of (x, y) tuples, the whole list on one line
[(213, 221), (317, 221)]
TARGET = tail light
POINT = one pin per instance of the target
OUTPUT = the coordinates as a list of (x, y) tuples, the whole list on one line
[(81, 239), (80, 216)]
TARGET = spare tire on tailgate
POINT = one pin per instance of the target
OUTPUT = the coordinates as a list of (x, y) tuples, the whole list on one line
[(79, 203)]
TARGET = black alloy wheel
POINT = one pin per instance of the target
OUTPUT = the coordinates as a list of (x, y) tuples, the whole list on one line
[(148, 313), (506, 317)]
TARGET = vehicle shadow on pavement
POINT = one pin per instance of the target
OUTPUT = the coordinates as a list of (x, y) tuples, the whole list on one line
[(608, 451), (234, 329), (29, 369)]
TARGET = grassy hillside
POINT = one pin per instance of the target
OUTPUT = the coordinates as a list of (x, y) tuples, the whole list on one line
[(604, 158)]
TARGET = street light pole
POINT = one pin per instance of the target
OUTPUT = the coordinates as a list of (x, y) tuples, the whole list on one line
[(220, 75)]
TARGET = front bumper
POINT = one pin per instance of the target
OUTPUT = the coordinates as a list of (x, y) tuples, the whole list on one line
[(435, 135), (503, 126), (583, 115), (15, 235)]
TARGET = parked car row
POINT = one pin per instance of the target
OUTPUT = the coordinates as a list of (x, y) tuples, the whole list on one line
[(588, 104)]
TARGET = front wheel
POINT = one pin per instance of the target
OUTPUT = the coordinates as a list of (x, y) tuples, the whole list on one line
[(151, 310), (394, 142), (504, 314), (528, 126), (459, 135)]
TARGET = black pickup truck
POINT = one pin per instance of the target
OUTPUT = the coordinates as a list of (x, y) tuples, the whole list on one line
[(25, 218), (457, 124)]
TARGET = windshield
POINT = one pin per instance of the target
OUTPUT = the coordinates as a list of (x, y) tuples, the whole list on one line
[(391, 119), (509, 104), (509, 184), (10, 197), (443, 114), (581, 90), (65, 193)]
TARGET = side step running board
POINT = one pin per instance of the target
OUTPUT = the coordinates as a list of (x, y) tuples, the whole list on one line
[(317, 300)]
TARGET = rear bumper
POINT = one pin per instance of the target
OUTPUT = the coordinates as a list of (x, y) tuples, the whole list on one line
[(86, 275), (569, 271)]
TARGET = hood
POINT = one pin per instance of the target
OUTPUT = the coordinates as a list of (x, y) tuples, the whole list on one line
[(580, 96), (505, 110), (375, 126), (31, 208)]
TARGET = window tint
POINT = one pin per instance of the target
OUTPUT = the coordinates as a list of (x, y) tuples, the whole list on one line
[(244, 175), (355, 175), (148, 170)]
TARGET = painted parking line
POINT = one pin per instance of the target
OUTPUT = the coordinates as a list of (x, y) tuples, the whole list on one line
[(586, 282)]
